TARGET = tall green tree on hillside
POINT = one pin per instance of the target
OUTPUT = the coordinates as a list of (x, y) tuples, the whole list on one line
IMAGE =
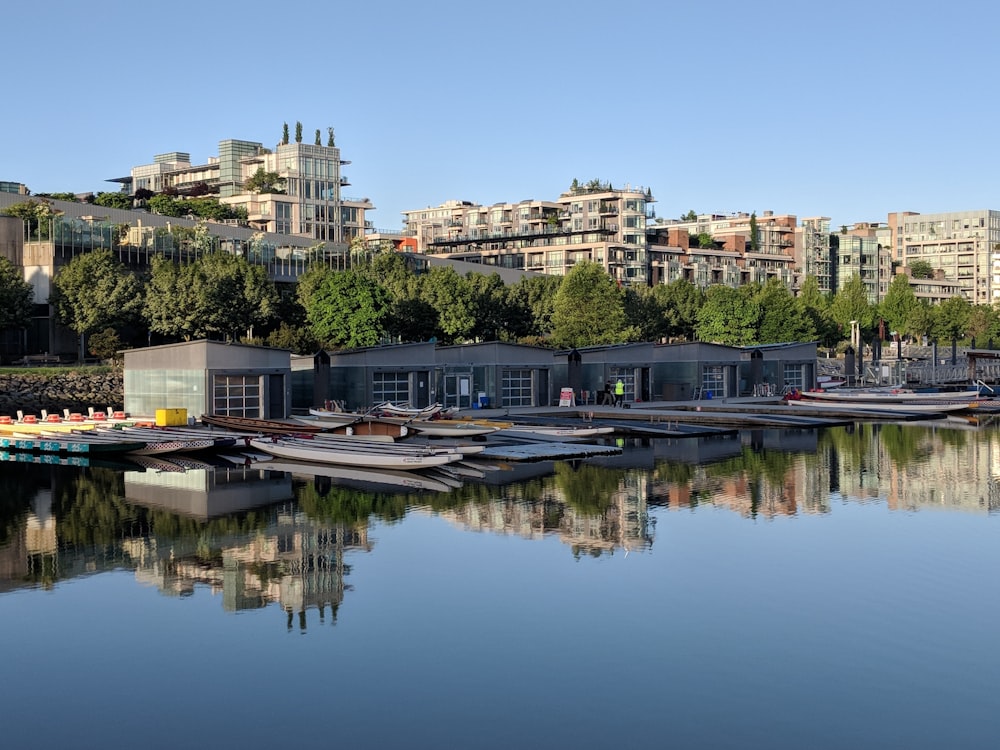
[(589, 308), (93, 292), (17, 297)]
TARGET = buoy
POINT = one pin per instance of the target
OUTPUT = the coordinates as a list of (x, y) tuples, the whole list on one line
[(6, 420), (118, 415), (30, 419), (75, 417), (98, 416), (53, 418)]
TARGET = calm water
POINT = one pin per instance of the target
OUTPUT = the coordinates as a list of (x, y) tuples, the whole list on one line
[(779, 590)]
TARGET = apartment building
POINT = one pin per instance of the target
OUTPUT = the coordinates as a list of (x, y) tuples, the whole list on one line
[(587, 223), (738, 249), (309, 202), (963, 246), (864, 250), (812, 253)]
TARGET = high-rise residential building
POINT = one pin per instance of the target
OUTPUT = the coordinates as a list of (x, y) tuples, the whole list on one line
[(812, 253), (733, 250), (587, 223), (863, 251), (963, 246), (305, 201)]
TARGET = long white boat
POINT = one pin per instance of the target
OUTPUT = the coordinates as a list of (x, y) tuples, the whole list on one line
[(552, 432), (889, 395), (902, 407), (384, 457), (451, 428)]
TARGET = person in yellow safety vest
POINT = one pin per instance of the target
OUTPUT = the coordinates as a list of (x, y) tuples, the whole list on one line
[(619, 392)]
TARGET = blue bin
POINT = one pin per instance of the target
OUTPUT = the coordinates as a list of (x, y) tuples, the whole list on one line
[(484, 402), (708, 395)]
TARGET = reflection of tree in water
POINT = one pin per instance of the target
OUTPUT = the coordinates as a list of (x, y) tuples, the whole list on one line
[(587, 488), (331, 503), (904, 445), (17, 490)]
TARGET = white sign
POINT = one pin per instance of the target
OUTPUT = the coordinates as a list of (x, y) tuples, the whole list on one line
[(566, 397)]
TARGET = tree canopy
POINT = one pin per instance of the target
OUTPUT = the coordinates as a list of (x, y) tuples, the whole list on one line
[(17, 296), (348, 309), (94, 291), (589, 308)]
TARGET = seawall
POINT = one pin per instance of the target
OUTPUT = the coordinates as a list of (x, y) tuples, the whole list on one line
[(70, 389)]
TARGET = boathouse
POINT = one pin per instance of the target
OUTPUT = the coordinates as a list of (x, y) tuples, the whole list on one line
[(208, 377), (500, 374)]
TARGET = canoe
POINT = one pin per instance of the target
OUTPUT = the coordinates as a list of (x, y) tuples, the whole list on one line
[(553, 432), (904, 407), (383, 457), (260, 426), (451, 428), (889, 396), (409, 412)]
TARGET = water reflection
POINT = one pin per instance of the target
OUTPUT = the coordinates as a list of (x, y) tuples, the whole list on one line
[(257, 536)]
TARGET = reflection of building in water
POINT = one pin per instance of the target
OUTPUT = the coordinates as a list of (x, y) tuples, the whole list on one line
[(207, 493), (292, 561), (922, 467), (776, 473), (623, 521), (33, 554)]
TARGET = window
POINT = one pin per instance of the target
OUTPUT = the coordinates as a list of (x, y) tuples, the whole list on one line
[(713, 378), (793, 376), (516, 388), (391, 386), (236, 395)]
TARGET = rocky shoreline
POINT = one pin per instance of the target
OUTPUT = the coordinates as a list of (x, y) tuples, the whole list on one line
[(72, 389)]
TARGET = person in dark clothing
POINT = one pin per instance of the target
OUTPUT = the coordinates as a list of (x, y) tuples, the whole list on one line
[(606, 397)]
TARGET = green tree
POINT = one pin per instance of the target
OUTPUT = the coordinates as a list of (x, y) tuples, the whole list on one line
[(166, 205), (920, 320), (645, 314), (680, 300), (93, 292), (730, 316), (171, 305), (816, 306), (329, 137), (319, 140), (921, 269), (589, 308), (218, 295), (491, 309), (951, 320), (284, 134), (38, 217), (704, 240), (451, 296), (532, 301), (297, 339), (114, 199), (104, 344), (71, 197), (17, 297), (298, 132), (690, 216), (412, 319), (754, 234), (898, 303), (348, 309), (851, 303), (783, 317), (983, 321)]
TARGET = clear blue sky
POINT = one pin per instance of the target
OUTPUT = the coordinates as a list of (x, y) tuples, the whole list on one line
[(848, 110)]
